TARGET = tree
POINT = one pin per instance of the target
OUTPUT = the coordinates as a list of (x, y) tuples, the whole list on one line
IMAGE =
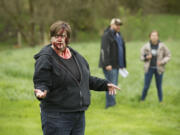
[(20, 13)]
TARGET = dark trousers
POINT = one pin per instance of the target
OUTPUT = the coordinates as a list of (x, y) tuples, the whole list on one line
[(147, 82), (63, 123), (111, 76)]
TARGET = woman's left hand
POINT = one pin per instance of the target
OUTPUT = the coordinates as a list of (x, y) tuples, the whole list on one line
[(112, 88), (159, 63)]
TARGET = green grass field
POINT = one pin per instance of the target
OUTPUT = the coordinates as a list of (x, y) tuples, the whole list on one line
[(20, 113)]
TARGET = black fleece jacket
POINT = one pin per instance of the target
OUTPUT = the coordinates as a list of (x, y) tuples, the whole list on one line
[(65, 92), (109, 50)]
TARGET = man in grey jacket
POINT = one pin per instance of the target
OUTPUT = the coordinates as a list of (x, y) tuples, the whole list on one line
[(155, 56)]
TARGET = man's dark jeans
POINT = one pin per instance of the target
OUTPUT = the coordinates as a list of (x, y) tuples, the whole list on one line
[(63, 123), (111, 76), (147, 82)]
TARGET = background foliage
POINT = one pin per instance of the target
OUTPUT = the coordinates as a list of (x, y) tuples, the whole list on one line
[(31, 18)]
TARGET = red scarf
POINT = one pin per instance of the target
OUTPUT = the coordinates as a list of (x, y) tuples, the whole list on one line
[(66, 54)]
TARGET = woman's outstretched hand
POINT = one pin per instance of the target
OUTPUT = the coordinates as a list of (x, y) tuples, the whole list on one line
[(112, 88)]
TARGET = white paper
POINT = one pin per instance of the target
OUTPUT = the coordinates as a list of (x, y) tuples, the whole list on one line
[(123, 72)]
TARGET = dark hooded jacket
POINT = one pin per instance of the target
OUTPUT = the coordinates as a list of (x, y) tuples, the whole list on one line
[(109, 50), (65, 92)]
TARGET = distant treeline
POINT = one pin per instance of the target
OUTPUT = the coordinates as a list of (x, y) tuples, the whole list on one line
[(29, 20)]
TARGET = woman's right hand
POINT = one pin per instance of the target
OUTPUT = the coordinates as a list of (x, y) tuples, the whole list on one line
[(149, 56), (40, 94)]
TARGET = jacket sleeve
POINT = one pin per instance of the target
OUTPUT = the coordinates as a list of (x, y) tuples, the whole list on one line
[(167, 55), (143, 54), (98, 84), (42, 75), (125, 62), (105, 50)]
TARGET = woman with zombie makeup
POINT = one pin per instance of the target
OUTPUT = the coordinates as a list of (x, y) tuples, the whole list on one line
[(155, 56), (62, 83)]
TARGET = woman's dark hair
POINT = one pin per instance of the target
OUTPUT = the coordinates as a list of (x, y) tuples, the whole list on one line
[(59, 25), (153, 32)]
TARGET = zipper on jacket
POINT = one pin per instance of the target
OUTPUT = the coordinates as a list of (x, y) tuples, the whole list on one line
[(80, 71), (80, 98)]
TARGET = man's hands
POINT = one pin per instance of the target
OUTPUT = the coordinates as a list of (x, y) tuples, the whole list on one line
[(112, 88), (109, 67), (40, 94)]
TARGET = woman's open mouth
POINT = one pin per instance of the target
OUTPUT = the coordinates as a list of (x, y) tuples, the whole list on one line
[(60, 45)]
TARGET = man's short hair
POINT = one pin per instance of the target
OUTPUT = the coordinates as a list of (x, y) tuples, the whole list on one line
[(57, 26), (116, 21)]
